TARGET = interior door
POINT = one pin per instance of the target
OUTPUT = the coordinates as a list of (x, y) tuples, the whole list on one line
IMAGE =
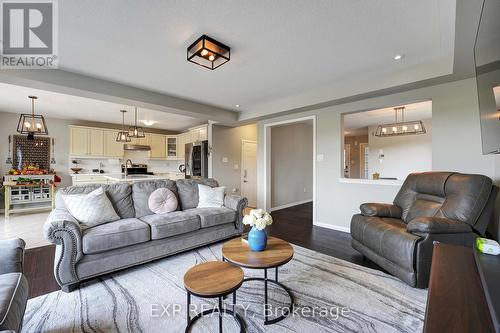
[(249, 172)]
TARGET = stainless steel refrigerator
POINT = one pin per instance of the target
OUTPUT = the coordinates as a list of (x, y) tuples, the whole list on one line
[(196, 160)]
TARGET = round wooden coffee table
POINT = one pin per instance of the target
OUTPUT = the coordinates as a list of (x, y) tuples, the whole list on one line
[(277, 253), (213, 279)]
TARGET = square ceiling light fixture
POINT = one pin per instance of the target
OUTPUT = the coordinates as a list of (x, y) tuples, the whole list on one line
[(208, 52)]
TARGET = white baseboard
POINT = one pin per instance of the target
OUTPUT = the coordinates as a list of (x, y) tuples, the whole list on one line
[(332, 226), (290, 205)]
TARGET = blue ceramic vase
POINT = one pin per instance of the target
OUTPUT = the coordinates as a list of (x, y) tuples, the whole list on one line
[(257, 239)]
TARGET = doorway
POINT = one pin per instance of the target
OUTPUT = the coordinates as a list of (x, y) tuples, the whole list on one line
[(249, 171), (290, 163)]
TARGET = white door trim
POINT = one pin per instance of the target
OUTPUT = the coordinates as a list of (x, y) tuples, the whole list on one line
[(243, 141), (267, 160)]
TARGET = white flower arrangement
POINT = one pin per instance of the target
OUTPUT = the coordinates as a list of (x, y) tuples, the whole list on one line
[(258, 218)]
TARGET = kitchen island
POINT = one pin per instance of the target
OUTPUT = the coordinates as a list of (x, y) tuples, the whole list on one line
[(132, 178), (109, 178)]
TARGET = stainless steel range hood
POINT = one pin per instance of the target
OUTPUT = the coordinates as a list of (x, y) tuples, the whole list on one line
[(129, 146)]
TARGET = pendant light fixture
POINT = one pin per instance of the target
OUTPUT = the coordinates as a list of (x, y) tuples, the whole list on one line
[(122, 135), (136, 131), (400, 126), (32, 124)]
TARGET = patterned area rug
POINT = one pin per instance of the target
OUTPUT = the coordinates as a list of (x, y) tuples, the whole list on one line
[(331, 295)]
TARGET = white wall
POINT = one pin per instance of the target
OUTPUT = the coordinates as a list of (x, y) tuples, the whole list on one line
[(402, 154), (226, 144), (291, 163), (456, 146)]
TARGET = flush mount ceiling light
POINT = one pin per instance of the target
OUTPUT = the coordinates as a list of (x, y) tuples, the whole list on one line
[(136, 131), (400, 126), (208, 52), (32, 124), (122, 135), (148, 122), (399, 56)]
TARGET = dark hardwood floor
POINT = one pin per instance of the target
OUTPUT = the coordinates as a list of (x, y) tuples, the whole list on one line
[(295, 225), (292, 224)]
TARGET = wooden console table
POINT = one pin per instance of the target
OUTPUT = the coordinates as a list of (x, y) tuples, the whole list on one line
[(456, 301)]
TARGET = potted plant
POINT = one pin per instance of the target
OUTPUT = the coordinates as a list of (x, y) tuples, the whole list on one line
[(259, 219)]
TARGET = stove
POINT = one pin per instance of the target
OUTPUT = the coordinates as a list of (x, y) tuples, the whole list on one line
[(137, 169)]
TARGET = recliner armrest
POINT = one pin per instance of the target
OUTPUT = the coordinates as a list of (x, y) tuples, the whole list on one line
[(437, 225), (12, 255), (380, 210)]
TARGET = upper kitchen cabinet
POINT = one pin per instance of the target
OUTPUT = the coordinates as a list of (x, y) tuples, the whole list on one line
[(172, 148), (199, 133), (111, 147), (96, 142), (158, 145), (182, 139), (79, 141), (85, 141)]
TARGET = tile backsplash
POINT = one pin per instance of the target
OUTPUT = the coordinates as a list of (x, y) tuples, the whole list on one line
[(137, 157)]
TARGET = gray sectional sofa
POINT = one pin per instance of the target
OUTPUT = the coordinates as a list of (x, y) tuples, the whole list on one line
[(140, 235)]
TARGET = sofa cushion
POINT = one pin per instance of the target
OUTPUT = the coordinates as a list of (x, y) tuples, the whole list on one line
[(142, 190), (387, 237), (171, 224), (120, 195), (210, 196), (162, 201), (114, 235), (187, 190), (91, 209), (13, 298), (210, 217)]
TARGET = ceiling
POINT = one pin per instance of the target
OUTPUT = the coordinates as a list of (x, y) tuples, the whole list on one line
[(284, 54), (357, 123), (14, 99)]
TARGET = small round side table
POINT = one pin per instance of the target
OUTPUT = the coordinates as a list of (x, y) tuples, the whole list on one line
[(213, 279), (277, 253)]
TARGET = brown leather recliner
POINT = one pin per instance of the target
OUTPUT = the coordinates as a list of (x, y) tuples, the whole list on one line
[(446, 207)]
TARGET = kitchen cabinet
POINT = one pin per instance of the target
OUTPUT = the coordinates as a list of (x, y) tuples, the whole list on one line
[(111, 147), (198, 133), (80, 179), (96, 142), (182, 139), (172, 148), (158, 144), (79, 141), (203, 133)]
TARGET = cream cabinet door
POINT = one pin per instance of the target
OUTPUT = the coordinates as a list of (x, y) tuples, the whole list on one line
[(172, 148), (158, 146), (182, 139), (79, 141), (96, 142), (195, 135), (111, 147), (203, 133), (146, 141)]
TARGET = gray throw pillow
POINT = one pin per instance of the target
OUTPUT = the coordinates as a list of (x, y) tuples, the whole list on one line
[(90, 209)]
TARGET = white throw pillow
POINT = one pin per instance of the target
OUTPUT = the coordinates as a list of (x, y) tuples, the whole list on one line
[(162, 201), (90, 209), (210, 196)]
